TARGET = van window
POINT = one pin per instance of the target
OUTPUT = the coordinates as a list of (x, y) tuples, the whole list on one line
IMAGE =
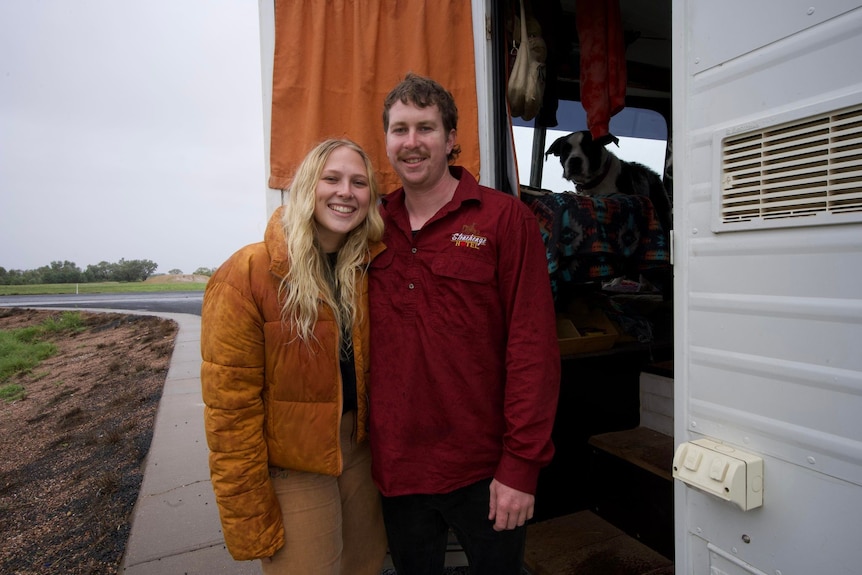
[(642, 134)]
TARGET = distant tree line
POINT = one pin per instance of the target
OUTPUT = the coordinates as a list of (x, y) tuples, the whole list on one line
[(67, 272), (198, 272)]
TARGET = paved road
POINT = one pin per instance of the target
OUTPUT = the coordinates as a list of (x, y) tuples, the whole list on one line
[(174, 302)]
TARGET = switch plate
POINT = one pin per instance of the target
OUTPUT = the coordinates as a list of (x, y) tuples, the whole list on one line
[(721, 470)]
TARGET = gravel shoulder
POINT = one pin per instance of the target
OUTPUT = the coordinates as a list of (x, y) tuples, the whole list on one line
[(72, 451)]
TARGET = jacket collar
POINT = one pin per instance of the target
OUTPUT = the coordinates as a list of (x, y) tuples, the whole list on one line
[(276, 244)]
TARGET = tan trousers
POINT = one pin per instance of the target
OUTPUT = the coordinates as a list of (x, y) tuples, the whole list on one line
[(332, 525)]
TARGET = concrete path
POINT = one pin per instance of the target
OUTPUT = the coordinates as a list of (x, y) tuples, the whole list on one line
[(175, 524)]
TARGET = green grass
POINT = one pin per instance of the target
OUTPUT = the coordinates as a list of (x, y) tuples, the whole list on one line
[(23, 349), (101, 287), (12, 392), (18, 356)]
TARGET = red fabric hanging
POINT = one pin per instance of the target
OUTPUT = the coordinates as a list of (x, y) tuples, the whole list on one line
[(603, 62)]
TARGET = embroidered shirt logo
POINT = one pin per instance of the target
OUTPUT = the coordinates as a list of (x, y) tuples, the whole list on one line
[(469, 237)]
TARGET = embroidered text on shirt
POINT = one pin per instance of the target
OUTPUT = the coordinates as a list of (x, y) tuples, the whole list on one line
[(469, 237)]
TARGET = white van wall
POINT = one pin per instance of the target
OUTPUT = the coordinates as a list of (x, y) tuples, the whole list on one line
[(767, 320)]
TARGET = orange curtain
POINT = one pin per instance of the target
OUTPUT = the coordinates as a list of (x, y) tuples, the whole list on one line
[(335, 61)]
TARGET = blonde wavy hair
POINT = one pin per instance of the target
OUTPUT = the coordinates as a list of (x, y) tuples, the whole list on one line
[(311, 277)]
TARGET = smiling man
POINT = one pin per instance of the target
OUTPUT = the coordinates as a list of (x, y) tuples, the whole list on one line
[(465, 366)]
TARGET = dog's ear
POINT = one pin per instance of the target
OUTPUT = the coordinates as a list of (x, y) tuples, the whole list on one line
[(607, 139), (557, 147)]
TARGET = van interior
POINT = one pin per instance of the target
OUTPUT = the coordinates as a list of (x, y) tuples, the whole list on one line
[(605, 504)]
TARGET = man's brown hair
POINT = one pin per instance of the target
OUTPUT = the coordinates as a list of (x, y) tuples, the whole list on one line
[(423, 92)]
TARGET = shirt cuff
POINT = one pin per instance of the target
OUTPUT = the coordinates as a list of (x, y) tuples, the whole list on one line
[(518, 474)]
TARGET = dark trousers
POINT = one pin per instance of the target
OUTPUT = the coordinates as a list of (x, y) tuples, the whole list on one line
[(418, 527)]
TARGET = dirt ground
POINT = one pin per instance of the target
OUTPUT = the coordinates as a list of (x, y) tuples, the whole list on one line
[(71, 451)]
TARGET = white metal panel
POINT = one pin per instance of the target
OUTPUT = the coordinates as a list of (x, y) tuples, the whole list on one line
[(484, 82), (784, 535), (767, 321), (730, 30), (266, 14), (782, 76)]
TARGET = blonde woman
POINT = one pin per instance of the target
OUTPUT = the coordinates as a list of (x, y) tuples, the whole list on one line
[(284, 342)]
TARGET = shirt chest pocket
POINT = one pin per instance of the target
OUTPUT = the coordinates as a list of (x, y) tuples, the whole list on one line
[(463, 295), (465, 269)]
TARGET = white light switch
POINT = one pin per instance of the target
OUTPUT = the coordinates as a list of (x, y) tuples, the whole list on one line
[(692, 459), (721, 470), (718, 469)]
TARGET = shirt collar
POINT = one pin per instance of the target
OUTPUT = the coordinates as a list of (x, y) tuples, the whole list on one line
[(468, 189)]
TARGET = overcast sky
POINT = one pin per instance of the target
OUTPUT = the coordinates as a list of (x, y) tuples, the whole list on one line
[(129, 129)]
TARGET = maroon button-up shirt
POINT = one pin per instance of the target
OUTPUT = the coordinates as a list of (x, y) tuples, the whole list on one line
[(465, 367)]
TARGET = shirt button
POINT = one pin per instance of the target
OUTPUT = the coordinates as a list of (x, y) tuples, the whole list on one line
[(410, 286), (414, 250)]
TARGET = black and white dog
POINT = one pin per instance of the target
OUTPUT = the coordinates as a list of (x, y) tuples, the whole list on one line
[(597, 172)]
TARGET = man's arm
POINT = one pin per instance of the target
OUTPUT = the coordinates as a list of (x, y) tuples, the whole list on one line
[(532, 356)]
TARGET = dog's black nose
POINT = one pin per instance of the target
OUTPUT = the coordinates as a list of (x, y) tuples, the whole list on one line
[(575, 165)]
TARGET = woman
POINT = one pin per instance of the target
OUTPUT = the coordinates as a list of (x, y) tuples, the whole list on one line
[(284, 342)]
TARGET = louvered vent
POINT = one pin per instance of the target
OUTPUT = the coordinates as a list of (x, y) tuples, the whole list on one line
[(811, 167)]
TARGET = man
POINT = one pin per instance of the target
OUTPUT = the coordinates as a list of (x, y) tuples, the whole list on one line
[(465, 366)]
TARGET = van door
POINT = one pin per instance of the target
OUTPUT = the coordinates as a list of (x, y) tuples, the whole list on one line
[(767, 140)]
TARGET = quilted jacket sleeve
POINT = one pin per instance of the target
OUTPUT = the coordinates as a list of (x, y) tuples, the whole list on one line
[(232, 379)]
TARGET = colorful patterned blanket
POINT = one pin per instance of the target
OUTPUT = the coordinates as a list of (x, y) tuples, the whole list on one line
[(591, 239)]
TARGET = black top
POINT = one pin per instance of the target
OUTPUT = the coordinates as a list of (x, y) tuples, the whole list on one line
[(348, 367), (348, 378)]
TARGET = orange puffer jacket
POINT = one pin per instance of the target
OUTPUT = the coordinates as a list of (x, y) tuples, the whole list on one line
[(270, 400)]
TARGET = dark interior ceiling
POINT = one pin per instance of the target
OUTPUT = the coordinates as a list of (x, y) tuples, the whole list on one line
[(647, 31)]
